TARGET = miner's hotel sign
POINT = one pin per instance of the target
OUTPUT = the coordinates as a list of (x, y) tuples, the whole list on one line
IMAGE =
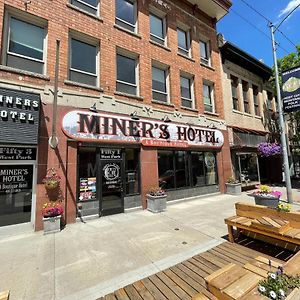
[(291, 89), (109, 128), (19, 117)]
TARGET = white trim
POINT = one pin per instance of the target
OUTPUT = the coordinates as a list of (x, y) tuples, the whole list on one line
[(205, 60), (25, 57), (166, 69), (83, 72), (162, 16), (126, 83), (188, 39), (135, 13), (191, 79), (211, 95), (87, 4)]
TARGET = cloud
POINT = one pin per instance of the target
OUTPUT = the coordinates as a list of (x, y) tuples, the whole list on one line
[(291, 5)]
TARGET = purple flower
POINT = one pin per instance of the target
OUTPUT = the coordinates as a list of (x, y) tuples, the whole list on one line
[(269, 149)]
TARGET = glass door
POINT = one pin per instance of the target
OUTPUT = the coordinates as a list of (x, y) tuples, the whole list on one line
[(111, 192)]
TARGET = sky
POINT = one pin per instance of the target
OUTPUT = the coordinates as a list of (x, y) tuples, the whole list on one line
[(255, 38)]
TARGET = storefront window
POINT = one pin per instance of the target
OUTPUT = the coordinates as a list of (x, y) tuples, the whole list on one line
[(197, 167), (176, 167), (87, 174), (132, 171), (248, 168)]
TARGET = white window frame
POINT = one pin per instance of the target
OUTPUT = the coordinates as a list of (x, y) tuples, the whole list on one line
[(135, 25), (192, 100), (87, 40), (97, 8), (204, 60), (185, 29), (155, 12), (128, 54), (165, 68), (212, 96), (30, 19)]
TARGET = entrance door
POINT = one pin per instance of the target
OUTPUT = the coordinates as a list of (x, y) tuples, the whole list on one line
[(111, 191)]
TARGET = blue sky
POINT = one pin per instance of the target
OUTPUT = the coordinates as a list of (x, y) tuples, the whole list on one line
[(237, 31)]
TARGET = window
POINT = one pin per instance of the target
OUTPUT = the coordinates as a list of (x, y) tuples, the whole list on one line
[(157, 29), (126, 14), (185, 169), (186, 92), (183, 42), (270, 102), (26, 44), (127, 74), (256, 100), (83, 59), (205, 53), (159, 84), (208, 98), (132, 171), (245, 86), (234, 92), (90, 6)]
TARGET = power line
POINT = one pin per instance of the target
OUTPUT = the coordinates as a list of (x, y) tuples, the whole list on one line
[(257, 28), (276, 27), (254, 9), (288, 38)]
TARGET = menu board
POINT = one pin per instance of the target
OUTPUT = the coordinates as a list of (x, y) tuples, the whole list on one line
[(87, 189)]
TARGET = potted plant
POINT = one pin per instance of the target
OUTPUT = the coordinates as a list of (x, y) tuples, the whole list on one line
[(52, 212), (269, 149), (156, 200), (52, 179), (266, 196), (233, 186), (279, 285)]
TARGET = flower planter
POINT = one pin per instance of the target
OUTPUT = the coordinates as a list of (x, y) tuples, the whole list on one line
[(233, 188), (156, 204), (51, 185), (266, 201), (51, 224)]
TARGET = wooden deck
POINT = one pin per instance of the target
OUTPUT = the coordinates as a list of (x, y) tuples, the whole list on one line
[(185, 280)]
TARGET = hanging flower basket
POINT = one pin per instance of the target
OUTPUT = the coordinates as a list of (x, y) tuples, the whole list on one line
[(51, 180), (269, 149)]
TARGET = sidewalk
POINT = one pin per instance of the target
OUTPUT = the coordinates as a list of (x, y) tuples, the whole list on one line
[(86, 261)]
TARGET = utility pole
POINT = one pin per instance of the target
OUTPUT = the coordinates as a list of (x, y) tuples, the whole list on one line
[(281, 121)]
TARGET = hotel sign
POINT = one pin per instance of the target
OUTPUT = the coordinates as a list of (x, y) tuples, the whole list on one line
[(89, 126), (19, 117)]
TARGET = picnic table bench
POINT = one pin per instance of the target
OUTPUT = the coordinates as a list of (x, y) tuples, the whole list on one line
[(284, 226)]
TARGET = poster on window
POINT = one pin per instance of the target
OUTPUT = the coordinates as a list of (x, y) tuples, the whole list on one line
[(87, 188), (291, 89)]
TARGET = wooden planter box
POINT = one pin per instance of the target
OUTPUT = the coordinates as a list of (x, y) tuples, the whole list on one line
[(233, 188), (156, 204), (52, 224)]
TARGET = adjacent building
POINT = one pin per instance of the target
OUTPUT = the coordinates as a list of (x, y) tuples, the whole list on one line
[(139, 104), (250, 115)]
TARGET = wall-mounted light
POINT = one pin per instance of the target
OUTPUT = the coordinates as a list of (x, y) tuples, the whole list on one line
[(166, 119), (93, 108), (134, 116)]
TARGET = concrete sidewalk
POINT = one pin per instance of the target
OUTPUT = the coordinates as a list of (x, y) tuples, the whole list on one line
[(86, 261)]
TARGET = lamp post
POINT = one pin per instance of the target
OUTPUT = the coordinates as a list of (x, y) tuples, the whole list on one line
[(281, 120)]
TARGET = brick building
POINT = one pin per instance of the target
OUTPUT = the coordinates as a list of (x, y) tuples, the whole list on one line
[(250, 113), (139, 104)]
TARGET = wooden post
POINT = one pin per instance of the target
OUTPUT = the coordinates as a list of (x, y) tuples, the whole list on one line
[(230, 233)]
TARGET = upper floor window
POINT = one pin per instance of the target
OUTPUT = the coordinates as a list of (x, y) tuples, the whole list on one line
[(159, 84), (83, 58), (127, 81), (245, 87), (205, 53), (208, 98), (157, 29), (90, 6), (186, 88), (184, 44), (255, 100), (234, 92), (26, 46), (126, 14), (270, 102)]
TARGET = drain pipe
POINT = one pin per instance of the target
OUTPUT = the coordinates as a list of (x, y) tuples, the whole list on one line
[(53, 140)]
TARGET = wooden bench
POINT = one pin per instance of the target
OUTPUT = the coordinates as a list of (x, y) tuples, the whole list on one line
[(265, 221), (4, 295)]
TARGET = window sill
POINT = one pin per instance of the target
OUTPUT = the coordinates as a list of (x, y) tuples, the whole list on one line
[(207, 66), (23, 72), (248, 115), (212, 113), (160, 45), (129, 96), (186, 57), (84, 12), (127, 31), (86, 86), (189, 109), (237, 112), (258, 117), (162, 103)]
